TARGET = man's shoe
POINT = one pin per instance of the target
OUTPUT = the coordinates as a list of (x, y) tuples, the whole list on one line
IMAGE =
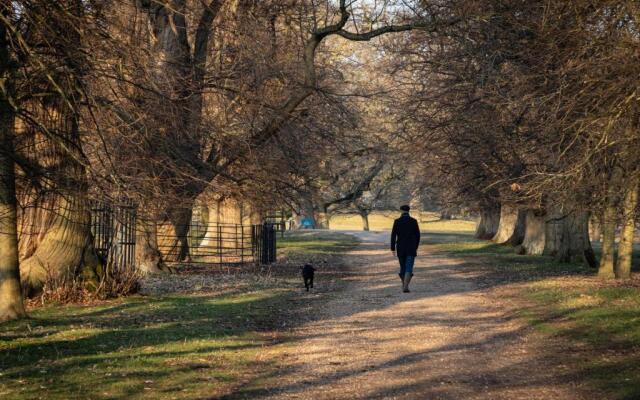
[(405, 286), (406, 291)]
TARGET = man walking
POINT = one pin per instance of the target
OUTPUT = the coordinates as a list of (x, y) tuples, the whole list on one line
[(405, 238)]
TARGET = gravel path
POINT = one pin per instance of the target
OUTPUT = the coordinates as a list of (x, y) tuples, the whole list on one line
[(447, 339)]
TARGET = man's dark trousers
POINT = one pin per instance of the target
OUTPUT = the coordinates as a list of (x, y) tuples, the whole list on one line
[(406, 265), (405, 239)]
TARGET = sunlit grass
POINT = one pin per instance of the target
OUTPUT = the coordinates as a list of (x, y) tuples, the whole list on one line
[(383, 220), (315, 242), (191, 346), (173, 347), (570, 302), (607, 318)]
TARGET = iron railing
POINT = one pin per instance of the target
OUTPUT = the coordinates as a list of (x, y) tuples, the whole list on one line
[(264, 239), (220, 244), (114, 234)]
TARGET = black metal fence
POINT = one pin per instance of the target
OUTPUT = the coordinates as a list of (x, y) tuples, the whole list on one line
[(279, 221), (223, 244), (114, 233), (212, 244), (264, 239)]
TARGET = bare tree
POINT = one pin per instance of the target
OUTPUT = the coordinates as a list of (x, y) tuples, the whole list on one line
[(11, 306)]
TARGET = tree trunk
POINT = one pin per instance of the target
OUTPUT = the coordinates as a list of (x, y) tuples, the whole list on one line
[(323, 220), (148, 257), (56, 240), (65, 249), (553, 231), (365, 220), (609, 222), (210, 242), (55, 224), (596, 228), (11, 306), (172, 235), (512, 226), (566, 236), (230, 218), (575, 244), (230, 212), (489, 222), (625, 248), (416, 201), (535, 233), (177, 108), (250, 215), (307, 211)]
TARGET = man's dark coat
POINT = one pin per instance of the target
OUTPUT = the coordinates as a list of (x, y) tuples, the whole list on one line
[(407, 236)]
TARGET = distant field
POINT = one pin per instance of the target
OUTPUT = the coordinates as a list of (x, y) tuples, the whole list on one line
[(383, 220)]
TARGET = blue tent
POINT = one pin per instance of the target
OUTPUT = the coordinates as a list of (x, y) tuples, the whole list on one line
[(307, 223)]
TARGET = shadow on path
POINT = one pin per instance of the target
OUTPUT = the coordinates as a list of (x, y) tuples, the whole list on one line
[(447, 339)]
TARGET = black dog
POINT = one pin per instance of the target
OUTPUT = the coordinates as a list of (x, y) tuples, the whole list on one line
[(307, 274)]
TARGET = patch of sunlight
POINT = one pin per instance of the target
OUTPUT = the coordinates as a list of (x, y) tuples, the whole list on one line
[(449, 226), (69, 335), (383, 220), (465, 246), (581, 301)]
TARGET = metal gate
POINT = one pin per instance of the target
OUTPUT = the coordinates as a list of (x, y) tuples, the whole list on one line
[(219, 244), (278, 219), (264, 240), (223, 244), (114, 234)]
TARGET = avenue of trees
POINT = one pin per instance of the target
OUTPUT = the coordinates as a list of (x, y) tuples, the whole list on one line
[(525, 112), (167, 104)]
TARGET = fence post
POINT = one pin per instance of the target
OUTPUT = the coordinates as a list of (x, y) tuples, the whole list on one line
[(263, 239), (274, 246), (268, 242), (235, 239), (220, 242), (241, 244)]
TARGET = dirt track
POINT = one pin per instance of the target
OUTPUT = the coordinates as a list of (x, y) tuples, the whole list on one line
[(447, 339)]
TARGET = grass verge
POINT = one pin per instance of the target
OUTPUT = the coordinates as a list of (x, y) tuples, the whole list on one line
[(172, 347), (383, 220), (599, 321), (301, 244), (206, 343)]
